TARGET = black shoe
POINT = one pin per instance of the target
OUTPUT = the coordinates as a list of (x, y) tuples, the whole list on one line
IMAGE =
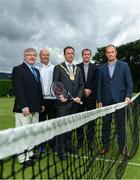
[(80, 145), (91, 147), (28, 163), (62, 156), (104, 151), (70, 150), (34, 157)]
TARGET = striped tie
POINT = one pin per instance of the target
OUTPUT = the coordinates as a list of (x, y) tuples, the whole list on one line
[(34, 73)]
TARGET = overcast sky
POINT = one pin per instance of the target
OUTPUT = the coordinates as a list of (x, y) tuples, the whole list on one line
[(58, 23)]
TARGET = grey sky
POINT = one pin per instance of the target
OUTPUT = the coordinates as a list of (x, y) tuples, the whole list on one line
[(58, 23)]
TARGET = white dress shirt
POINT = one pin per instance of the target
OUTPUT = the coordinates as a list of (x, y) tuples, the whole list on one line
[(69, 67), (46, 73), (86, 67)]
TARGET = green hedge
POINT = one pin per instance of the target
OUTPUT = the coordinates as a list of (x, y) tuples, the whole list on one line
[(6, 87)]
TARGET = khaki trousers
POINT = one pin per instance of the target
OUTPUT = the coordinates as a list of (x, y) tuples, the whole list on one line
[(22, 120)]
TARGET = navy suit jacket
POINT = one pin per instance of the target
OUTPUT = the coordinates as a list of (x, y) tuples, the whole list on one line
[(116, 88), (91, 79), (27, 90)]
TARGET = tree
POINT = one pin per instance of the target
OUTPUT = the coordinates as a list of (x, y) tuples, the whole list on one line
[(129, 53)]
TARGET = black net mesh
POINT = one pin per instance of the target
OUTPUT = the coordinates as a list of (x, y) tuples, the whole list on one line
[(83, 158)]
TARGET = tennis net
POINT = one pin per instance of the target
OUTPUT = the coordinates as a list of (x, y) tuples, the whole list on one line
[(83, 160)]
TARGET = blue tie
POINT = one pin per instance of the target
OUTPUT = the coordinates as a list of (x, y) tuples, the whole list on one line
[(34, 73)]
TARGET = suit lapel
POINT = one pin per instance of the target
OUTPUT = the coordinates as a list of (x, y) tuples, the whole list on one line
[(116, 70), (89, 69), (26, 68), (63, 64), (82, 68), (65, 67), (107, 70)]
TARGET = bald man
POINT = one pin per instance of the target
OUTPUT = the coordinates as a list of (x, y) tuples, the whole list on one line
[(46, 72)]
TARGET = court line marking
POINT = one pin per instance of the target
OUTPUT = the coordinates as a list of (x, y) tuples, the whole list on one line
[(107, 160), (129, 163)]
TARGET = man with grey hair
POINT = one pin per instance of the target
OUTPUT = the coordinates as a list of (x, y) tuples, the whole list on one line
[(28, 97)]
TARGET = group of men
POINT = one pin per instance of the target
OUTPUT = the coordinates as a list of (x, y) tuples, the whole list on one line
[(109, 84)]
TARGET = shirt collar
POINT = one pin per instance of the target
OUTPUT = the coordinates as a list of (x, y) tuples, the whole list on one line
[(113, 64), (86, 64), (68, 63), (29, 65), (49, 64)]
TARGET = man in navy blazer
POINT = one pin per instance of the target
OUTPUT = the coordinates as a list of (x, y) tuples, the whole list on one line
[(89, 72), (28, 97), (114, 86)]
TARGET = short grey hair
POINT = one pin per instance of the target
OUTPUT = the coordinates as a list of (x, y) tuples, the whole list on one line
[(29, 50)]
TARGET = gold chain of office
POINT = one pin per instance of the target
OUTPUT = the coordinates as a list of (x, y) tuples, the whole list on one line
[(71, 76)]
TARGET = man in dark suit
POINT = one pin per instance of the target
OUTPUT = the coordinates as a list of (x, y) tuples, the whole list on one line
[(114, 86), (89, 72), (28, 97), (71, 77)]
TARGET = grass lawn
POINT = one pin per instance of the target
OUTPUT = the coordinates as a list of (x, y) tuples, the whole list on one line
[(6, 114), (7, 121)]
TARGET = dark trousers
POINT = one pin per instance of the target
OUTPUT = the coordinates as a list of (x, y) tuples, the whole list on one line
[(63, 142), (88, 104), (49, 113), (50, 110), (120, 129)]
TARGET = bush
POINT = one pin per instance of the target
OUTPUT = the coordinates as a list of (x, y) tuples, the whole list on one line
[(6, 87)]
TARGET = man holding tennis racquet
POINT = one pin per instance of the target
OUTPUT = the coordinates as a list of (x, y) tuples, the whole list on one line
[(69, 96)]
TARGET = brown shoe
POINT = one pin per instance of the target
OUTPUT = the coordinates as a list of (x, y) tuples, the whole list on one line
[(124, 152), (104, 151)]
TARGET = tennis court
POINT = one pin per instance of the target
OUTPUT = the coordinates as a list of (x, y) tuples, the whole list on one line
[(7, 121)]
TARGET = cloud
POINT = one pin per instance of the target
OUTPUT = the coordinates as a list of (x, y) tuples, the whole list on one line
[(55, 24)]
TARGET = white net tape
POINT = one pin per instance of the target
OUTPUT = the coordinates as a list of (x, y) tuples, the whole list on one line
[(16, 140)]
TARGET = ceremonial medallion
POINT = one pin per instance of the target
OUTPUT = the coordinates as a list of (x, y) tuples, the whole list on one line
[(72, 77)]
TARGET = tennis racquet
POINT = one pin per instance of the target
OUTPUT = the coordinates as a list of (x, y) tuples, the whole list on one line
[(58, 89)]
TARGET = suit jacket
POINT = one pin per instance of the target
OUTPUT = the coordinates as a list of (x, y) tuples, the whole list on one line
[(91, 79), (116, 88), (27, 90), (75, 87)]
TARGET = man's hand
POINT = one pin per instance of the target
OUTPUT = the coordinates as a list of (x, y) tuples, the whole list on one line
[(62, 99), (100, 105), (42, 109), (128, 100), (87, 92), (25, 111), (77, 100)]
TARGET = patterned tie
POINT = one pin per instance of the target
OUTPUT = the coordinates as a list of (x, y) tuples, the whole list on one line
[(34, 73)]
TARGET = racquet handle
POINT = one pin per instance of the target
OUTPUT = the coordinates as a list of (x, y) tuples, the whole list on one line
[(81, 102)]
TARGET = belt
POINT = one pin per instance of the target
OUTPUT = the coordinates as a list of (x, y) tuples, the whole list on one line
[(48, 97)]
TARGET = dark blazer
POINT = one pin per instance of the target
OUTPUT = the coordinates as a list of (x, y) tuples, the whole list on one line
[(91, 78), (75, 87), (27, 90), (116, 88)]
